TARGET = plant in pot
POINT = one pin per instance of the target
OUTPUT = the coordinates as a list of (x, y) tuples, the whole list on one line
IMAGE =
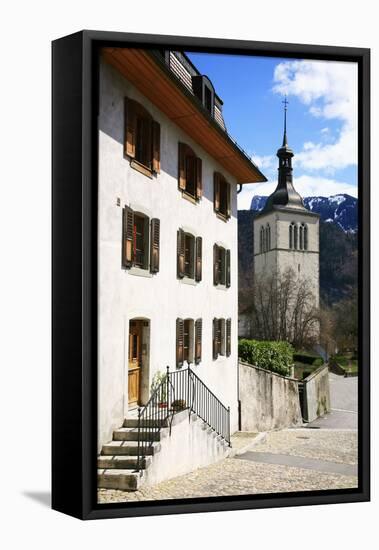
[(156, 383), (179, 405)]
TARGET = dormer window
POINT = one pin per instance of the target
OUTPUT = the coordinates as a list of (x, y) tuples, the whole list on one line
[(204, 91)]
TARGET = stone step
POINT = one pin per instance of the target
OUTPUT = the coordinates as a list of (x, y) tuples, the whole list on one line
[(125, 480), (148, 423), (131, 434), (128, 448), (121, 462)]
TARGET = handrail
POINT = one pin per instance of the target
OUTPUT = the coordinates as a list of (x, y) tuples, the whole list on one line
[(179, 390)]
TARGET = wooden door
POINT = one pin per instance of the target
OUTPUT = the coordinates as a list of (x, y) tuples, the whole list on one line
[(135, 362)]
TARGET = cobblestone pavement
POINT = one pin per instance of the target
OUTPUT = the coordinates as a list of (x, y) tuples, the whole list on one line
[(237, 476)]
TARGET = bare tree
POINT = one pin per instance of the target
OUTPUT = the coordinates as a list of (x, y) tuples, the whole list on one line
[(284, 309)]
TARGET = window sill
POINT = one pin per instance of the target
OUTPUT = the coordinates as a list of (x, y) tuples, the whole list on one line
[(222, 217), (188, 281), (141, 168), (189, 198), (221, 287), (139, 272)]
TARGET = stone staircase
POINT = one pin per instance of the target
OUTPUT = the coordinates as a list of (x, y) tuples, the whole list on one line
[(117, 462)]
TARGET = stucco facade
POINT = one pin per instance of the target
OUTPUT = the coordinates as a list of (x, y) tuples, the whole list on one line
[(161, 298)]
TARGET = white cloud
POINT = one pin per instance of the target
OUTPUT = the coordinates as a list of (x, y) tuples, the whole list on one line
[(306, 185), (265, 162), (329, 89)]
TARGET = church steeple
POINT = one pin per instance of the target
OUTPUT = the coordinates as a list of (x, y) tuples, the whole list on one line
[(285, 195)]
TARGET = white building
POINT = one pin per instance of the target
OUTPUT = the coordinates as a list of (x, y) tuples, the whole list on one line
[(167, 234)]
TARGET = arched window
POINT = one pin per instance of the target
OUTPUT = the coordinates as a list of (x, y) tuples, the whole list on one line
[(305, 230), (268, 238), (262, 240), (301, 239), (295, 236), (292, 235)]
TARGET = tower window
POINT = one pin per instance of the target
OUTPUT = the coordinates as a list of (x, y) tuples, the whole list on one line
[(268, 238)]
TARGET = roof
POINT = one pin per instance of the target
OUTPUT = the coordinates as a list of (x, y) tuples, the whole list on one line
[(149, 72)]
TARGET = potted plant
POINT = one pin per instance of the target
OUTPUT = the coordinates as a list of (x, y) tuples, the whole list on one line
[(179, 405), (158, 378)]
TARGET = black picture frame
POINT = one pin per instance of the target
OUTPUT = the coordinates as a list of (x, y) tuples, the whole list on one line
[(74, 273)]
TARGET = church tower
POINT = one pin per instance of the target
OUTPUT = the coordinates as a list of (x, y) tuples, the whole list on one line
[(286, 234)]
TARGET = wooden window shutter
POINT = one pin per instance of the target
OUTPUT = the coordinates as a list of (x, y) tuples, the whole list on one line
[(227, 278), (222, 338), (182, 167), (130, 112), (215, 333), (156, 147), (228, 200), (216, 265), (228, 337), (180, 254), (179, 342), (198, 338), (216, 191), (127, 237), (154, 245), (199, 260), (199, 178)]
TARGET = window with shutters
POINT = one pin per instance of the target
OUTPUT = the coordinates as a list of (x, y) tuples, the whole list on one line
[(189, 256), (190, 173), (221, 266), (142, 138), (220, 346), (222, 196), (140, 241), (188, 341)]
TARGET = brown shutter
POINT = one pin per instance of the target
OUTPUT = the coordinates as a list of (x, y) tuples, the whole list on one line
[(127, 237), (156, 147), (182, 167), (216, 191), (180, 253), (228, 200), (179, 342), (228, 337), (198, 337), (130, 112), (199, 261), (222, 336), (216, 267), (199, 178), (215, 332), (227, 282), (154, 245)]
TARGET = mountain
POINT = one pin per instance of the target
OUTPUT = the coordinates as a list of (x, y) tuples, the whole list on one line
[(338, 260), (342, 209)]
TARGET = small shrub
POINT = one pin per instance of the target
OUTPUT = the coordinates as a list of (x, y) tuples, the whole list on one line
[(273, 356)]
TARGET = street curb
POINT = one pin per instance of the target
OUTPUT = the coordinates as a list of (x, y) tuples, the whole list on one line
[(261, 437)]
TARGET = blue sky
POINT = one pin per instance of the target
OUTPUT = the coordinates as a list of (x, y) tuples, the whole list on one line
[(321, 123)]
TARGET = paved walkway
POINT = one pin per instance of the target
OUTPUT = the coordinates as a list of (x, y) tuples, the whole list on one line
[(344, 401), (285, 461)]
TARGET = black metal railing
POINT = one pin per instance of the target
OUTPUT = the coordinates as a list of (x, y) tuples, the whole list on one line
[(178, 391)]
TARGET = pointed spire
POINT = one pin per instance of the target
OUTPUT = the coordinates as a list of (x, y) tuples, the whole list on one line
[(285, 143)]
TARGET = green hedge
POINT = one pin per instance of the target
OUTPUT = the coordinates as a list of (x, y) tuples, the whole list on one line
[(308, 358), (273, 356)]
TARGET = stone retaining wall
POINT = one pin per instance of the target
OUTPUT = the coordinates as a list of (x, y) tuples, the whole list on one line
[(316, 394), (268, 401)]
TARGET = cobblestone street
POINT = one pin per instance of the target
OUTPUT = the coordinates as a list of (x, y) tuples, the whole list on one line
[(284, 461)]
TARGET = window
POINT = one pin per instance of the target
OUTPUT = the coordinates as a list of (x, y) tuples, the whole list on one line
[(190, 172), (204, 91), (142, 138), (265, 239), (298, 236), (293, 236), (140, 241), (189, 256), (221, 196), (221, 337), (188, 341), (221, 266), (303, 237), (268, 237)]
